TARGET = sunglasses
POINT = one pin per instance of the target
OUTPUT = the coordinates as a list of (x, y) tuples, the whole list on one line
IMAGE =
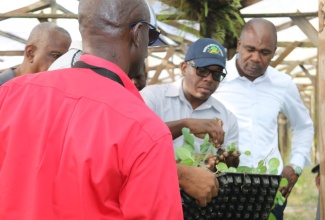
[(204, 72), (153, 31)]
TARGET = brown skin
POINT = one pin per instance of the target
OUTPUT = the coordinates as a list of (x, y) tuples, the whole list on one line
[(197, 90), (120, 43), (198, 183), (256, 47), (46, 43), (292, 178)]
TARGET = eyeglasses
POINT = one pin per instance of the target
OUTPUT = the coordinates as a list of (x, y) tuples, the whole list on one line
[(204, 72), (153, 31)]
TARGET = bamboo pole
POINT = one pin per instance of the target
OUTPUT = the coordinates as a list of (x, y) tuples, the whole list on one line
[(321, 103)]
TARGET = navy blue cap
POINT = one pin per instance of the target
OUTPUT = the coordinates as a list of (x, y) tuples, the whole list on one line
[(206, 52)]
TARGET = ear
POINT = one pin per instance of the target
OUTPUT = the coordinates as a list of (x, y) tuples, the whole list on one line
[(183, 68), (136, 34), (238, 44), (30, 52)]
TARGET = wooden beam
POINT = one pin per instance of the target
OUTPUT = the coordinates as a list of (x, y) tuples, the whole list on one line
[(285, 53), (312, 78), (12, 53), (292, 66), (30, 8), (13, 37), (307, 44), (277, 15), (160, 68), (320, 101), (28, 15), (288, 24), (307, 28)]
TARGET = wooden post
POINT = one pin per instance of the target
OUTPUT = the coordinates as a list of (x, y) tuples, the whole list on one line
[(321, 103)]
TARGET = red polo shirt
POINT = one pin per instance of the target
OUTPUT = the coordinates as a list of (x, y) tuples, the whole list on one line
[(77, 145)]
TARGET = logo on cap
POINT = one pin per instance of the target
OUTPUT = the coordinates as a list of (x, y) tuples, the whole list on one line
[(213, 49)]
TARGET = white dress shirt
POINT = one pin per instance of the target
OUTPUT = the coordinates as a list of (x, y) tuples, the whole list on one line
[(257, 105), (168, 101)]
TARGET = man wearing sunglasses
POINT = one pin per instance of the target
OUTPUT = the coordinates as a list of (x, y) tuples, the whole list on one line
[(80, 143), (188, 103)]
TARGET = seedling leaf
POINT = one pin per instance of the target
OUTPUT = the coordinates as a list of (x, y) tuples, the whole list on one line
[(244, 169), (189, 139), (204, 147), (262, 169), (222, 167), (184, 153), (271, 216), (274, 163), (284, 182), (189, 147), (187, 162), (247, 153), (275, 172)]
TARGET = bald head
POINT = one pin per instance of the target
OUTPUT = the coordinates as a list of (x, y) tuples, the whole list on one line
[(260, 25), (41, 32), (46, 42), (106, 32), (256, 48)]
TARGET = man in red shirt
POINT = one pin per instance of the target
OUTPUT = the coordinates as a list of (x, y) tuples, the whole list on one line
[(80, 143)]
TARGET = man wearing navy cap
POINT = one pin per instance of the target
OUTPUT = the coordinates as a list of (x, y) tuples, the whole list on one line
[(188, 103)]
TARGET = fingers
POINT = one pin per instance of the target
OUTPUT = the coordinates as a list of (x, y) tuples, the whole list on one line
[(285, 191), (204, 201)]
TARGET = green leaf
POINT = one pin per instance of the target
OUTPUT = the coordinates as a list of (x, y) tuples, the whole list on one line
[(204, 147), (206, 9), (232, 169), (260, 163), (189, 147), (189, 139), (271, 216), (274, 171), (284, 182), (262, 170), (274, 163), (205, 157), (281, 200), (206, 138), (222, 167), (183, 153), (243, 169), (254, 170), (247, 153), (188, 162)]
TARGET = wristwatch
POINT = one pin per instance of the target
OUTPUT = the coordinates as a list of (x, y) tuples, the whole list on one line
[(297, 169)]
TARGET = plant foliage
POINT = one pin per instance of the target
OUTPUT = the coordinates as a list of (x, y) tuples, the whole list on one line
[(218, 19), (186, 155)]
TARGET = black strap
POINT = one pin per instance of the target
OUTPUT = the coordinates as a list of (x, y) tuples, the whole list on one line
[(101, 71)]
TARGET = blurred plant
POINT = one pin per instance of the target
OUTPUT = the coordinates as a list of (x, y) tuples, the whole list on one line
[(186, 155), (218, 19)]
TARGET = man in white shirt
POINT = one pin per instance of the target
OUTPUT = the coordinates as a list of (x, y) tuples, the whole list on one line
[(188, 103), (256, 93)]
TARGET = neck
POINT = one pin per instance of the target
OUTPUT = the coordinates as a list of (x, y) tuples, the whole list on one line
[(242, 73)]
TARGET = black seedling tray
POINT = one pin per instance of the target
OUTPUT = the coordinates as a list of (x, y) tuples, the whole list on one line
[(240, 196)]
